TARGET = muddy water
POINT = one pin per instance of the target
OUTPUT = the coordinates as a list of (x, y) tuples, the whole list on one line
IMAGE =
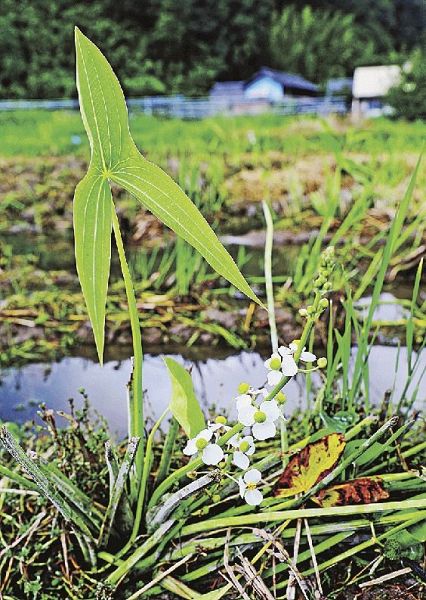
[(215, 380)]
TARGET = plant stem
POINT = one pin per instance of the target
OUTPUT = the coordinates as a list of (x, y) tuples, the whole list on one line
[(167, 453), (303, 339), (268, 276), (136, 419), (299, 513)]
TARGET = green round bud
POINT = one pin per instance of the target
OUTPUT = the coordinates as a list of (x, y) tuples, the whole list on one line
[(280, 397), (327, 286), (322, 362), (244, 446), (201, 443), (310, 310), (243, 388), (275, 363), (303, 312), (216, 498), (323, 303), (220, 420), (259, 416)]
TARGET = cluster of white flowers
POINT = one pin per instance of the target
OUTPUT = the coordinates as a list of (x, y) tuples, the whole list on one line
[(259, 418)]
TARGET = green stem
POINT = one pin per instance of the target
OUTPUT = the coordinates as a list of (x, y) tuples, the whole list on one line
[(299, 513), (303, 339), (167, 453), (268, 276), (136, 419)]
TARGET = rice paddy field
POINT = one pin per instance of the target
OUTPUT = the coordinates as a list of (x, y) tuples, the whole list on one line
[(326, 219)]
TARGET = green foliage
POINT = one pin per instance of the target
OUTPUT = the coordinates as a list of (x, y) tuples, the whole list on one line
[(184, 404), (319, 44), (163, 46), (408, 99), (114, 157)]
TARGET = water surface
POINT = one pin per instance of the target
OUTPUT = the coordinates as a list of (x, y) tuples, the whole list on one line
[(215, 379)]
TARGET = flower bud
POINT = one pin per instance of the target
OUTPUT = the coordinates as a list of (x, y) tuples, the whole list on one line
[(303, 312), (322, 362), (323, 303), (220, 420), (280, 397)]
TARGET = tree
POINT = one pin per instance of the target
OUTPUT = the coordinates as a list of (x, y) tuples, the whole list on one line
[(408, 99), (318, 44)]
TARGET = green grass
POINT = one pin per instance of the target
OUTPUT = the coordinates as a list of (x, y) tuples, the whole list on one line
[(50, 133)]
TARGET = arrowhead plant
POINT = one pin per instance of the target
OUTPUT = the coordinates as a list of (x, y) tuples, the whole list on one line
[(116, 159)]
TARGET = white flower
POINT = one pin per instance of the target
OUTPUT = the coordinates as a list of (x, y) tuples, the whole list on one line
[(248, 487), (212, 454), (273, 364), (261, 419), (245, 410), (288, 364), (244, 448), (264, 425)]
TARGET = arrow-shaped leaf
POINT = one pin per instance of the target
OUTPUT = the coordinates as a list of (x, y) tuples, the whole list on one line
[(116, 158)]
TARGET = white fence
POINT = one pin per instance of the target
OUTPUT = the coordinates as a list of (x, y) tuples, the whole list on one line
[(199, 108)]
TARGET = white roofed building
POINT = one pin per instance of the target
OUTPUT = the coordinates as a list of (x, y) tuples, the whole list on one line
[(370, 87)]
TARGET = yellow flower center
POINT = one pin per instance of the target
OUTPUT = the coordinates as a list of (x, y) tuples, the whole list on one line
[(201, 444), (259, 416), (275, 363)]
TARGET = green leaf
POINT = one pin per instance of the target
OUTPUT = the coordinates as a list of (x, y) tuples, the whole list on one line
[(92, 233), (167, 201), (102, 105), (184, 404), (116, 156)]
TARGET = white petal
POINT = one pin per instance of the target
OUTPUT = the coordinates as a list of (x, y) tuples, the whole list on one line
[(253, 497), (271, 410), (274, 377), (190, 448), (288, 366), (246, 415), (284, 351), (293, 347), (262, 392), (263, 431), (235, 441), (205, 434), (242, 486), (241, 460), (212, 454), (214, 426), (251, 450), (243, 400), (253, 476), (308, 357)]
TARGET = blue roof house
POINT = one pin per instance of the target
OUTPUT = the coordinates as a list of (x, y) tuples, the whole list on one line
[(266, 85), (271, 85)]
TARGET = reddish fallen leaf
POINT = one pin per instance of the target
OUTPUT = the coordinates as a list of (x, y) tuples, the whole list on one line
[(310, 465), (363, 490)]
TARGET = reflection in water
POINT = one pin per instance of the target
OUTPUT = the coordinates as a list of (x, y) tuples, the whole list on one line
[(215, 380)]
